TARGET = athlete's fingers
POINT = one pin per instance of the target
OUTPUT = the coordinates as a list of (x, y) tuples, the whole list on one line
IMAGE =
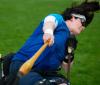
[(49, 37)]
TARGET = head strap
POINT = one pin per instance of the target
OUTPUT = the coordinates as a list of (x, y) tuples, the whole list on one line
[(82, 17)]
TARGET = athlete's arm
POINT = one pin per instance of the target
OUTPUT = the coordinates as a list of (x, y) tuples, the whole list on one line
[(49, 26)]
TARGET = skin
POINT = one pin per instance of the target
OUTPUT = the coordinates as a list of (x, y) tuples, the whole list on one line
[(75, 26), (48, 36)]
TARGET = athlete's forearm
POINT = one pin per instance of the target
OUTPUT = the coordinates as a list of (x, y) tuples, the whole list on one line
[(50, 23), (49, 27)]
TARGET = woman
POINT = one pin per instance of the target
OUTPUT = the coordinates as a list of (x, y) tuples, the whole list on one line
[(56, 28)]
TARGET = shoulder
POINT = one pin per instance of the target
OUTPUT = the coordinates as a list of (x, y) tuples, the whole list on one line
[(57, 16)]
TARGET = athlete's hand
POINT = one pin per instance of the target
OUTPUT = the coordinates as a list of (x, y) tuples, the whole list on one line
[(50, 37)]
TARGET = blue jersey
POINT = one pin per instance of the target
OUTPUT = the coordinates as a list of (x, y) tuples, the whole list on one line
[(53, 56)]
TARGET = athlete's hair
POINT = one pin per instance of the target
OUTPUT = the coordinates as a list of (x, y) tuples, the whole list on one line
[(86, 8)]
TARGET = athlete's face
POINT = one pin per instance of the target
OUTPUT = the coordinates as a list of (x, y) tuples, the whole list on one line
[(76, 26)]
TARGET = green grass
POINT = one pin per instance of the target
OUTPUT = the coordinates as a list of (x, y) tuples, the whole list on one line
[(19, 18)]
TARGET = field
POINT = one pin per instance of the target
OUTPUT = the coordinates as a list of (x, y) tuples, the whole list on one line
[(19, 18)]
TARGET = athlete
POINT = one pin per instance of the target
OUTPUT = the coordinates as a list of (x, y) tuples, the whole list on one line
[(56, 28)]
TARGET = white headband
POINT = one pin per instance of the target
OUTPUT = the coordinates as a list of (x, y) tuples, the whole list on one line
[(80, 16)]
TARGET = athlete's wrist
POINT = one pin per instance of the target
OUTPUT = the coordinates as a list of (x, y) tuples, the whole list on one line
[(48, 31)]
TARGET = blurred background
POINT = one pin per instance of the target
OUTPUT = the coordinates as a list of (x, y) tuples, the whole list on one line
[(19, 18)]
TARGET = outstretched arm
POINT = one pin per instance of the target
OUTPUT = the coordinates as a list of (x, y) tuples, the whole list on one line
[(48, 29)]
